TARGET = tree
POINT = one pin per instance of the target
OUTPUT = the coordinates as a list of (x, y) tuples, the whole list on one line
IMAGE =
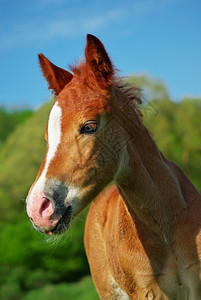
[(20, 159), (27, 260), (177, 131), (9, 119)]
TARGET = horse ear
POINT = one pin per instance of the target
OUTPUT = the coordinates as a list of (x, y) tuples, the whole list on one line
[(56, 77), (98, 61)]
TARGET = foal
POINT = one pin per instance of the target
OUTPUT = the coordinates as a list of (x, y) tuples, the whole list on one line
[(142, 234)]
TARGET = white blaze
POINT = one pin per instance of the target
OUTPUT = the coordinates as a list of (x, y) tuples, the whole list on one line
[(54, 139), (54, 134)]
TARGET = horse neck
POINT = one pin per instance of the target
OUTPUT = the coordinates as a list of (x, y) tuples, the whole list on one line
[(149, 185)]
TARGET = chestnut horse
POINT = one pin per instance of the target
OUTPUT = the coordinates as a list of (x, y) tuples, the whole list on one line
[(142, 235)]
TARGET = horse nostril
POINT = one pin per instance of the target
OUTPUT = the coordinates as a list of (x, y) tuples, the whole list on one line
[(44, 205), (46, 210)]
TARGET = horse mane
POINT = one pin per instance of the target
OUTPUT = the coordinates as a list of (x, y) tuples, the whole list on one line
[(133, 93)]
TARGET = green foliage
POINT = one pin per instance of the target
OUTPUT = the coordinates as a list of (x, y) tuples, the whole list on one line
[(177, 131), (20, 159), (29, 260), (153, 89), (9, 119), (61, 258), (14, 289), (36, 267)]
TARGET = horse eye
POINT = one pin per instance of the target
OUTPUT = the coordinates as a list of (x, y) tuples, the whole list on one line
[(89, 127)]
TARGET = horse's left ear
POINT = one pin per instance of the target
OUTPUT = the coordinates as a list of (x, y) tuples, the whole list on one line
[(56, 77), (99, 62)]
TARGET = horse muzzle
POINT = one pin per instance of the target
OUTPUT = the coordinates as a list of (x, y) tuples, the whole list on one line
[(47, 210)]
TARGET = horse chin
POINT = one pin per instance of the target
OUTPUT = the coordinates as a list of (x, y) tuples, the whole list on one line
[(63, 224)]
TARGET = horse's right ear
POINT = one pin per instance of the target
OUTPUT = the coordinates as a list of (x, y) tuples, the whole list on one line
[(98, 61), (56, 77)]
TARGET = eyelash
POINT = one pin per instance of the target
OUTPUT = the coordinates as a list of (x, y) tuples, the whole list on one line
[(89, 127)]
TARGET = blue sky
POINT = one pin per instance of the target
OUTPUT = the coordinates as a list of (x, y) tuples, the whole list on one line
[(159, 37)]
